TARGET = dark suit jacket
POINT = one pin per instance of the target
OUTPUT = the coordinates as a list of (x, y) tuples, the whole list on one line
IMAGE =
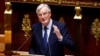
[(56, 47)]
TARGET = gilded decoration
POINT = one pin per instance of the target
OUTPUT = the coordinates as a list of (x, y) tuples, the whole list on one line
[(61, 20), (78, 14), (26, 25), (95, 29)]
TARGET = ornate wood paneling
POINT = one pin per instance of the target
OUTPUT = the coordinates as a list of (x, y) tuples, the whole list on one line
[(82, 3)]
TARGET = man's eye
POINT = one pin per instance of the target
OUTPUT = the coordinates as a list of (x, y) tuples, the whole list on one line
[(39, 14), (44, 13)]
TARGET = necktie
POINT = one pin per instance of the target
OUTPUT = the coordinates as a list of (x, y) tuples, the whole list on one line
[(46, 48), (45, 37)]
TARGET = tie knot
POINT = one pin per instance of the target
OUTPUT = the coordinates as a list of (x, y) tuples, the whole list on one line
[(45, 28)]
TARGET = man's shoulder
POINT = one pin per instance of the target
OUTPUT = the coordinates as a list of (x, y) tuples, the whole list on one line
[(36, 25), (58, 23)]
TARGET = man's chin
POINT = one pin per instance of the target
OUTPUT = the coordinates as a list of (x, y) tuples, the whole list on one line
[(44, 24)]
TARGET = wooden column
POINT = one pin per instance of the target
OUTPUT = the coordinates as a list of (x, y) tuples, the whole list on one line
[(7, 27), (2, 42)]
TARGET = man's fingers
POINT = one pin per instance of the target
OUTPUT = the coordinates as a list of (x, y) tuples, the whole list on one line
[(55, 28), (57, 32)]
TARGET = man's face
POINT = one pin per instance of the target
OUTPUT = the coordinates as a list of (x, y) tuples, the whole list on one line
[(44, 16)]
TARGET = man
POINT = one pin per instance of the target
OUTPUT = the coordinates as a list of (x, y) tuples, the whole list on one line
[(56, 35)]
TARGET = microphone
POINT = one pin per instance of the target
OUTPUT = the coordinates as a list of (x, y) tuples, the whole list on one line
[(49, 48)]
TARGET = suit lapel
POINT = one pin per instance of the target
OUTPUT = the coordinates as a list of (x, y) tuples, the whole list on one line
[(52, 36), (39, 36)]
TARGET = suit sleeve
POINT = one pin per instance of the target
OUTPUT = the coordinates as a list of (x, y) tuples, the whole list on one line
[(67, 41)]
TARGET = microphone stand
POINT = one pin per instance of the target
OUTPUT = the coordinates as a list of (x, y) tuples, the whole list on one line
[(23, 43), (49, 48)]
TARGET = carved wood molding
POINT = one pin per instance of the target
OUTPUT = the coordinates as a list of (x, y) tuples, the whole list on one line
[(61, 3)]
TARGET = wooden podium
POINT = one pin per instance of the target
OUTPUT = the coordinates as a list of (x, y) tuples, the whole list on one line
[(25, 53), (19, 53)]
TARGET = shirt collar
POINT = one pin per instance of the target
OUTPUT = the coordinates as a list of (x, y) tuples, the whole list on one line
[(49, 25)]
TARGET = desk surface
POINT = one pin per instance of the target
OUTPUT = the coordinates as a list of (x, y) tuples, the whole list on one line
[(23, 53), (27, 54)]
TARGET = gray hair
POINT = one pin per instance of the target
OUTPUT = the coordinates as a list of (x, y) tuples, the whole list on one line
[(39, 7)]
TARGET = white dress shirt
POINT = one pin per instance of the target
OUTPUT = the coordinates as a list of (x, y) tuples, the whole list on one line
[(48, 29)]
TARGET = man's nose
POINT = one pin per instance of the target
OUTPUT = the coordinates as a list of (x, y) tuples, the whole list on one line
[(42, 16)]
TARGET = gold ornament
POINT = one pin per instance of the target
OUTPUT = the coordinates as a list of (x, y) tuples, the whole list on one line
[(26, 25), (95, 29)]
